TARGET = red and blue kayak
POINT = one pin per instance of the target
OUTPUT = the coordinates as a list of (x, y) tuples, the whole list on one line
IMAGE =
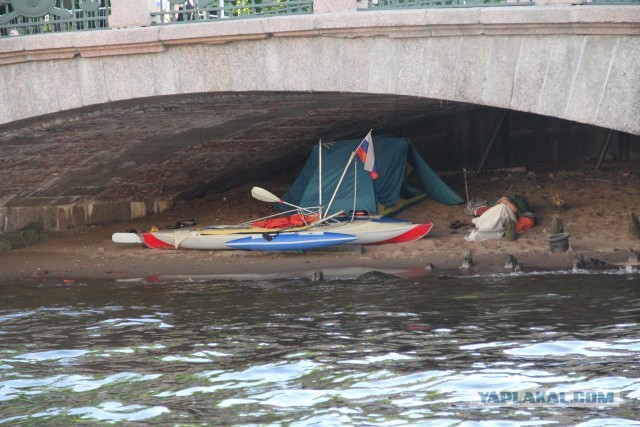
[(369, 231)]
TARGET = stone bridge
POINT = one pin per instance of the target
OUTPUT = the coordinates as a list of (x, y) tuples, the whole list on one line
[(89, 119)]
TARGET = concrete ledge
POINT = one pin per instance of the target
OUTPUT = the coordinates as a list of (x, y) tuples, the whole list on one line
[(33, 215)]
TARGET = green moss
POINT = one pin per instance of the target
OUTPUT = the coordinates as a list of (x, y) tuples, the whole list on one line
[(25, 237)]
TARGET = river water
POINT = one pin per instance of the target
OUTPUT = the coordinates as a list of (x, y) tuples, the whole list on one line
[(505, 350)]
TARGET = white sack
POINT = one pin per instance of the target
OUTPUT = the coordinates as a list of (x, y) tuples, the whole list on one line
[(492, 223)]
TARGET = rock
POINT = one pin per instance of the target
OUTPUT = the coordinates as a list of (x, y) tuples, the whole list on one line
[(510, 234), (467, 261), (429, 267), (510, 262), (634, 226), (376, 275), (557, 226)]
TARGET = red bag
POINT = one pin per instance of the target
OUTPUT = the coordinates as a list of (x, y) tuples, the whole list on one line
[(525, 223)]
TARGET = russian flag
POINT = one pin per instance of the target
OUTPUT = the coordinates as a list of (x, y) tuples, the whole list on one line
[(366, 153)]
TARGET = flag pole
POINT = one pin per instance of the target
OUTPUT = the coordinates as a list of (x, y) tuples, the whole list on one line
[(355, 190)]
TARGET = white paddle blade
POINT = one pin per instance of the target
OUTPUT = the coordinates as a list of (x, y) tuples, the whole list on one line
[(126, 238), (264, 195)]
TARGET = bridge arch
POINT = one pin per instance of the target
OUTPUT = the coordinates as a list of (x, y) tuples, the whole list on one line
[(576, 64)]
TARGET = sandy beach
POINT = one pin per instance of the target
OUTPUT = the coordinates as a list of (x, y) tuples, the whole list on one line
[(595, 213)]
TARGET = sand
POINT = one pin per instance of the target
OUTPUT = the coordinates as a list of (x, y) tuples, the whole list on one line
[(595, 213)]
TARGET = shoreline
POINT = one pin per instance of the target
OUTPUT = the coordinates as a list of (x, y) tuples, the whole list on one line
[(595, 215), (73, 261)]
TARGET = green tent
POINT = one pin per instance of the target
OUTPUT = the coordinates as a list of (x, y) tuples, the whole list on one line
[(404, 178)]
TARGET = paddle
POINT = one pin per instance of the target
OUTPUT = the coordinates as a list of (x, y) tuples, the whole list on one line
[(266, 196)]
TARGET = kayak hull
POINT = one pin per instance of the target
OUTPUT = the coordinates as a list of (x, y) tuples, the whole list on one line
[(378, 231)]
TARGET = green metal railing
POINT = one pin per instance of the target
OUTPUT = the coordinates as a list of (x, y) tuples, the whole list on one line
[(395, 4), (23, 17), (183, 11)]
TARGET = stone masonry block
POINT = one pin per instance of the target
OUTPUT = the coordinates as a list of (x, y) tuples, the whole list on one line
[(533, 62), (242, 59), (632, 123), (564, 57), (297, 23), (471, 69), (44, 101), (325, 6), (442, 72), (91, 81), (142, 85), (354, 65), (622, 81), (40, 43), (159, 206), (190, 69), (500, 70), (17, 80), (591, 77), (31, 217), (127, 13), (215, 61), (412, 68), (325, 75), (270, 61), (101, 213), (297, 64), (382, 65), (138, 210), (71, 216), (112, 41), (116, 71), (6, 115), (165, 73), (64, 78)]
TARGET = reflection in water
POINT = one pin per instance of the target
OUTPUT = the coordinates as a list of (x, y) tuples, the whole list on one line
[(408, 352)]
